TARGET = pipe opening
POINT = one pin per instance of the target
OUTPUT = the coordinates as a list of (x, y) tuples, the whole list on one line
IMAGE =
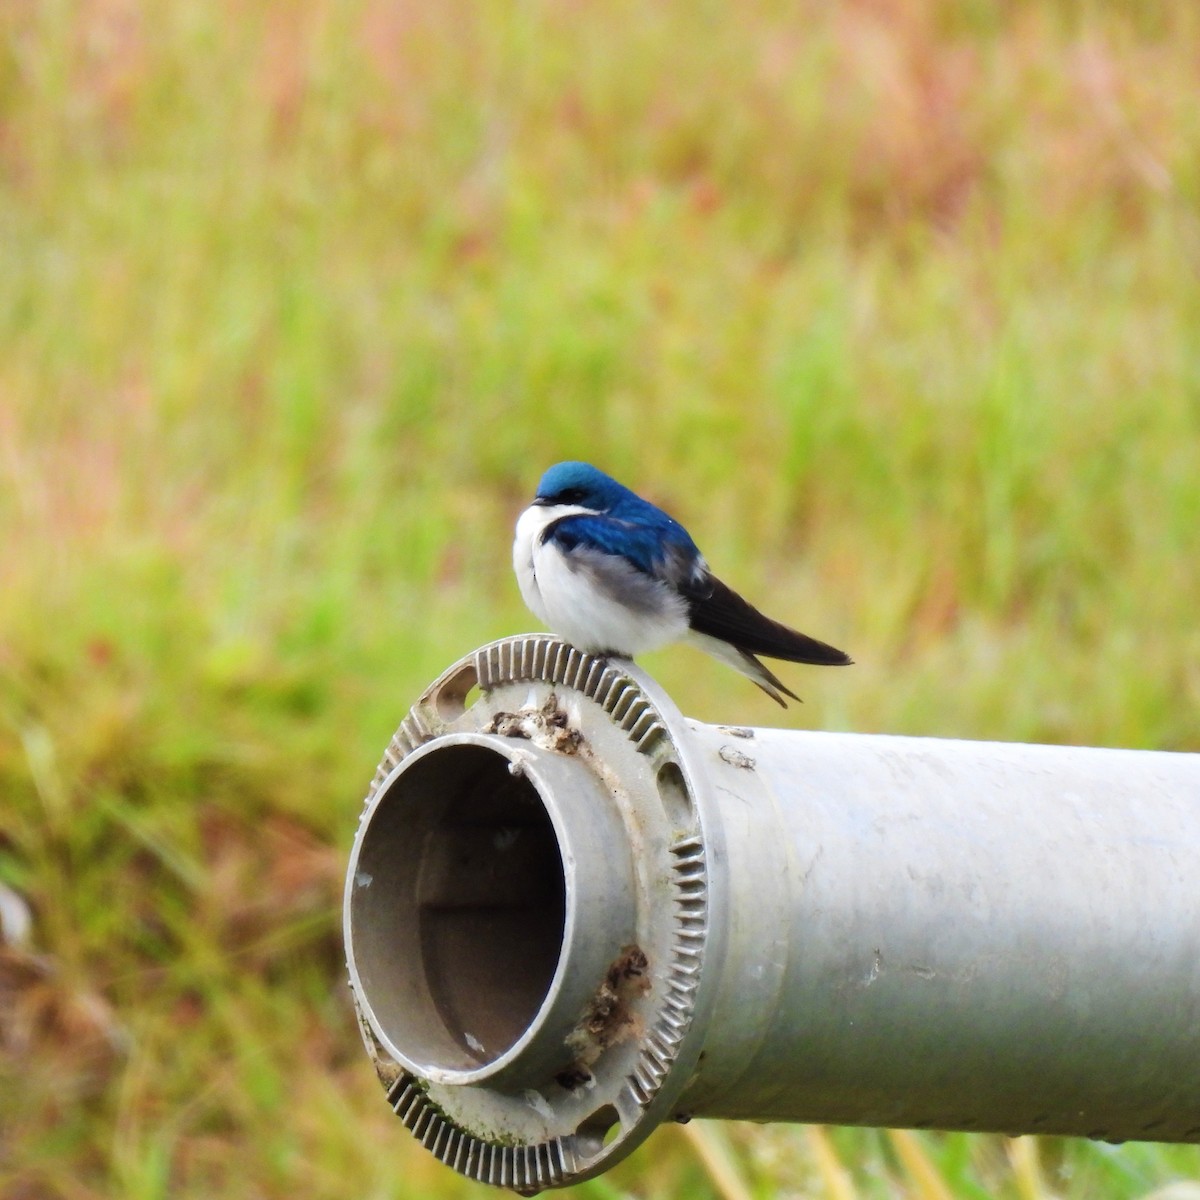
[(458, 909)]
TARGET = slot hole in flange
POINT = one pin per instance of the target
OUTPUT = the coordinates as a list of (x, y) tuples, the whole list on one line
[(676, 800), (598, 1130), (457, 693)]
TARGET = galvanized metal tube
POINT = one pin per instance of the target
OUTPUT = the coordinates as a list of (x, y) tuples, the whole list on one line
[(572, 913)]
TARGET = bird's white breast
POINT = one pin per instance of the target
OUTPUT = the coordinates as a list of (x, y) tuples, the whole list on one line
[(586, 610), (531, 525)]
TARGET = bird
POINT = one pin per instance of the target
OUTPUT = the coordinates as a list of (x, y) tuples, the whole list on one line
[(615, 575)]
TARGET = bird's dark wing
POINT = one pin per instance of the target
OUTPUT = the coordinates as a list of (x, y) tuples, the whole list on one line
[(661, 550), (719, 612)]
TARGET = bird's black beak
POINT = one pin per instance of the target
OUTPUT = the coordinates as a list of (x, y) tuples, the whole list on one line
[(541, 500)]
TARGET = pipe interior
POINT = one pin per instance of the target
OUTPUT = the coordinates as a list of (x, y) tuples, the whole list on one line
[(458, 908)]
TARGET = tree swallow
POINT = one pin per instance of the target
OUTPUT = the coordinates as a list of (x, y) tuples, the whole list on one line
[(612, 574)]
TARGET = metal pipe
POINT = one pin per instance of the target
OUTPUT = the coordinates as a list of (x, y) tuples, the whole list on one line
[(572, 913)]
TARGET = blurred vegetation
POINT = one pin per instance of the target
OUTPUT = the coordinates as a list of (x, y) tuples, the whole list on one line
[(893, 302)]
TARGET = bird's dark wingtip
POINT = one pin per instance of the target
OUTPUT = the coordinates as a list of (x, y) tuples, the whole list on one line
[(719, 612)]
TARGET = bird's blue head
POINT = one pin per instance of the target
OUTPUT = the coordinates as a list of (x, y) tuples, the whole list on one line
[(581, 484)]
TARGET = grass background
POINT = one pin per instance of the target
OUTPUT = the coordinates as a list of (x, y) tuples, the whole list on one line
[(893, 302)]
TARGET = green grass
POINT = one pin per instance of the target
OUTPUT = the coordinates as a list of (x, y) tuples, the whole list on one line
[(894, 305)]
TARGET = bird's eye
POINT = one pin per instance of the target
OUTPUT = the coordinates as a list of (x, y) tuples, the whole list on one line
[(571, 496)]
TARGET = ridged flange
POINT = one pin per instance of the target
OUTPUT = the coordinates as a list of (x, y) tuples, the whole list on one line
[(591, 695)]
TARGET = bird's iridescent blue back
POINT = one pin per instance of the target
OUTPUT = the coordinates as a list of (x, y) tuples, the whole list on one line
[(625, 524)]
